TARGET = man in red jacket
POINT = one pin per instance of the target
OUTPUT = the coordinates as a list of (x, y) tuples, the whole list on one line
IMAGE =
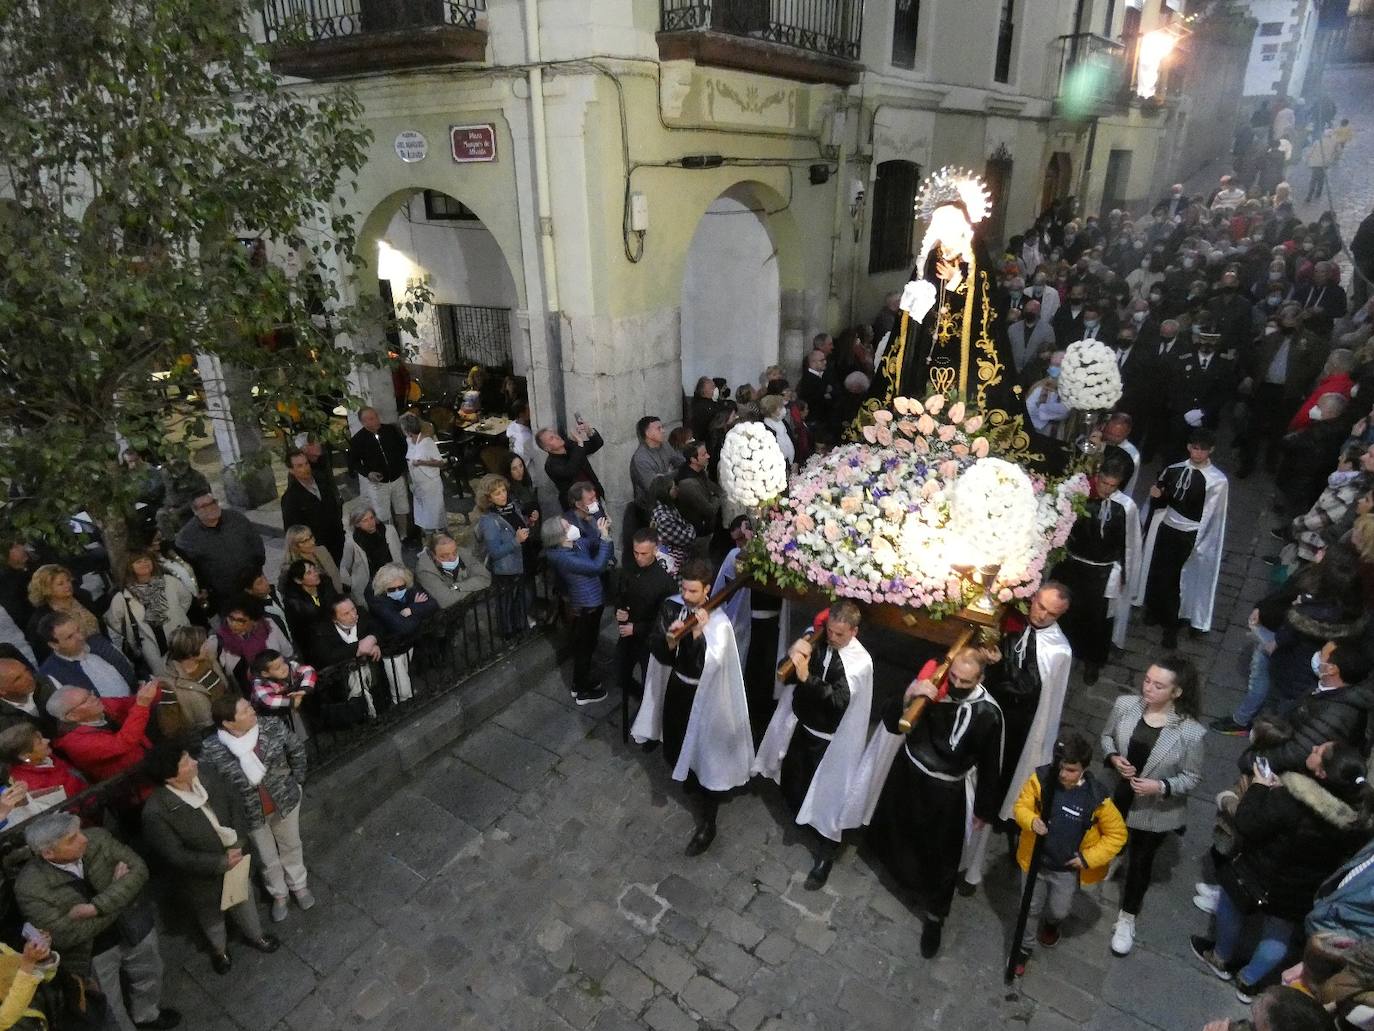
[(102, 737)]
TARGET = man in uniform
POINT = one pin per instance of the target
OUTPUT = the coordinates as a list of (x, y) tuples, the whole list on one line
[(1103, 553), (1028, 676), (945, 772), (816, 738), (694, 700)]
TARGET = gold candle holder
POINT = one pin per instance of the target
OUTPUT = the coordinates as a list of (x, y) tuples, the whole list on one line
[(982, 577)]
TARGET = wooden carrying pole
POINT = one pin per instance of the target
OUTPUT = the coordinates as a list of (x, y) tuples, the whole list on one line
[(787, 667), (712, 603), (913, 711)]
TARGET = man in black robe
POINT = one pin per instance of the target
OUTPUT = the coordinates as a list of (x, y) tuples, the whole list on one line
[(921, 820)]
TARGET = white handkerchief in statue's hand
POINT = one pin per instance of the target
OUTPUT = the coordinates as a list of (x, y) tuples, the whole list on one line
[(917, 298), (1193, 417)]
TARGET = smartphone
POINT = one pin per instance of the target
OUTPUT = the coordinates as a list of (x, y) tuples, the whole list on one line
[(1262, 768), (33, 934), (577, 418)]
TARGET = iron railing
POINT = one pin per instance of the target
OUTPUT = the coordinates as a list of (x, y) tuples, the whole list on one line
[(471, 334), (829, 27), (316, 21)]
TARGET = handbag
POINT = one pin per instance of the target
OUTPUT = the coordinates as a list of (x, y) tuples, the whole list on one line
[(1244, 889)]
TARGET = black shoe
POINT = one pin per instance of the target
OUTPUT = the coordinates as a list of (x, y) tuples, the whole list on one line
[(166, 1018), (701, 840), (1091, 672), (930, 937), (590, 695), (820, 873), (1229, 727), (267, 943), (966, 888), (221, 962)]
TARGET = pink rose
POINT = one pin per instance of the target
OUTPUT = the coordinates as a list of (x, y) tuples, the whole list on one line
[(882, 416), (1004, 595), (804, 523), (850, 503), (902, 404), (920, 445), (949, 469), (907, 426), (925, 425), (832, 531), (870, 434), (946, 433), (904, 446), (980, 447), (884, 434), (961, 450), (934, 403), (956, 412), (974, 424)]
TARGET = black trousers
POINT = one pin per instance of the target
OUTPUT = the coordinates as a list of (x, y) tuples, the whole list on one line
[(1266, 420), (1087, 624), (918, 833), (586, 627), (1140, 864), (1162, 590), (631, 654)]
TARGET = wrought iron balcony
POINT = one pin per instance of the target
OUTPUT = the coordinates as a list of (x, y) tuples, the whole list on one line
[(320, 38), (1092, 75), (810, 40)]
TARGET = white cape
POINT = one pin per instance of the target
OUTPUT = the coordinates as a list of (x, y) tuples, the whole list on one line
[(1134, 452), (718, 746), (825, 806), (737, 609), (1198, 581), (1053, 656), (1121, 604)]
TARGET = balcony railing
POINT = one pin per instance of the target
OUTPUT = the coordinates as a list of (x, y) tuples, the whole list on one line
[(1092, 74), (315, 37), (828, 29)]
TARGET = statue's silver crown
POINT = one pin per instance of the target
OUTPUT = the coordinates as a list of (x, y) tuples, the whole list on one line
[(951, 185)]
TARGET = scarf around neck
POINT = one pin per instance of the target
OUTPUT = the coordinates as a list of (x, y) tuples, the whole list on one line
[(244, 749), (199, 798)]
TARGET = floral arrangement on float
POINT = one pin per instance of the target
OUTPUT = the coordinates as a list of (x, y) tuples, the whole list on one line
[(921, 513), (1090, 384)]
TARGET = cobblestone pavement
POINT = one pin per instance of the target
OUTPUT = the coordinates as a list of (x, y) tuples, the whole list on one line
[(533, 877)]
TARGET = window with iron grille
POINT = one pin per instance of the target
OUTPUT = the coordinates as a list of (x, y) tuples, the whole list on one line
[(1271, 28), (440, 207), (894, 216), (907, 14), (1006, 31), (473, 335)]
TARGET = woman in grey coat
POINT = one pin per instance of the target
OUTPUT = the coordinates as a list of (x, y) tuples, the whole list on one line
[(190, 821), (1154, 743), (263, 765)]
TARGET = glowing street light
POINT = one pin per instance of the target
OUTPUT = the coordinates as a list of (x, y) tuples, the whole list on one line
[(1154, 48)]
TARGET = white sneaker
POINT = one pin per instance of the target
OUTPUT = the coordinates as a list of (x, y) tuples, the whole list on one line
[(1206, 903), (1207, 891), (1123, 935)]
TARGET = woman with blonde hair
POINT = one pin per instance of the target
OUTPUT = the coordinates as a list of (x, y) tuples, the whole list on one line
[(501, 534), (426, 481), (51, 590), (301, 544), (144, 612), (401, 612)]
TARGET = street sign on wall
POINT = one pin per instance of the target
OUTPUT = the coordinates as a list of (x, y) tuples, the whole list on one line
[(473, 142), (411, 146)]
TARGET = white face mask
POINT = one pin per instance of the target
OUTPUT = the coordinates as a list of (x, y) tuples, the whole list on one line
[(1317, 665), (1138, 317), (572, 534), (451, 564), (1315, 413), (594, 508), (397, 594)]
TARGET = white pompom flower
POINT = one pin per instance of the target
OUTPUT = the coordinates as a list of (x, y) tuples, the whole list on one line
[(752, 470)]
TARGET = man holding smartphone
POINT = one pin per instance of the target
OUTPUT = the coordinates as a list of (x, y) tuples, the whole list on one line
[(567, 462)]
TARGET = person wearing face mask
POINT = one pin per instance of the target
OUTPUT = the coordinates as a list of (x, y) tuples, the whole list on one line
[(1047, 295), (400, 608), (1309, 454), (1325, 293), (1068, 320), (1279, 371), (1029, 335), (1199, 383), (1145, 276), (1230, 312), (1186, 532), (1046, 411), (580, 562), (1337, 708), (1333, 512), (1136, 366), (449, 574)]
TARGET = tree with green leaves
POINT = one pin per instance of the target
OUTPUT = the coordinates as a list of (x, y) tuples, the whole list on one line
[(150, 161)]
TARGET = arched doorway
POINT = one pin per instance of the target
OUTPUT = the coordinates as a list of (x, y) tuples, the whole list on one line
[(430, 237), (1058, 180), (731, 296)]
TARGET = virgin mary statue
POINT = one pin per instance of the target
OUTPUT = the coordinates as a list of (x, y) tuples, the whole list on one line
[(950, 338)]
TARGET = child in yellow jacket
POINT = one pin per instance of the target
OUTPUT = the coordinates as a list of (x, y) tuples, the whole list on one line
[(1081, 836)]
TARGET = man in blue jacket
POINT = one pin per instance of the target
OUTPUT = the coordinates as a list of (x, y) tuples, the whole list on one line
[(580, 561), (79, 661)]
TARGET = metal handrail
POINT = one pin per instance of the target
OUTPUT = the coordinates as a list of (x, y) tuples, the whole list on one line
[(315, 21), (829, 27)]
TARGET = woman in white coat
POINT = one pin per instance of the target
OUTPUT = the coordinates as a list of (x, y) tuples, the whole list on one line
[(144, 612), (426, 481)]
